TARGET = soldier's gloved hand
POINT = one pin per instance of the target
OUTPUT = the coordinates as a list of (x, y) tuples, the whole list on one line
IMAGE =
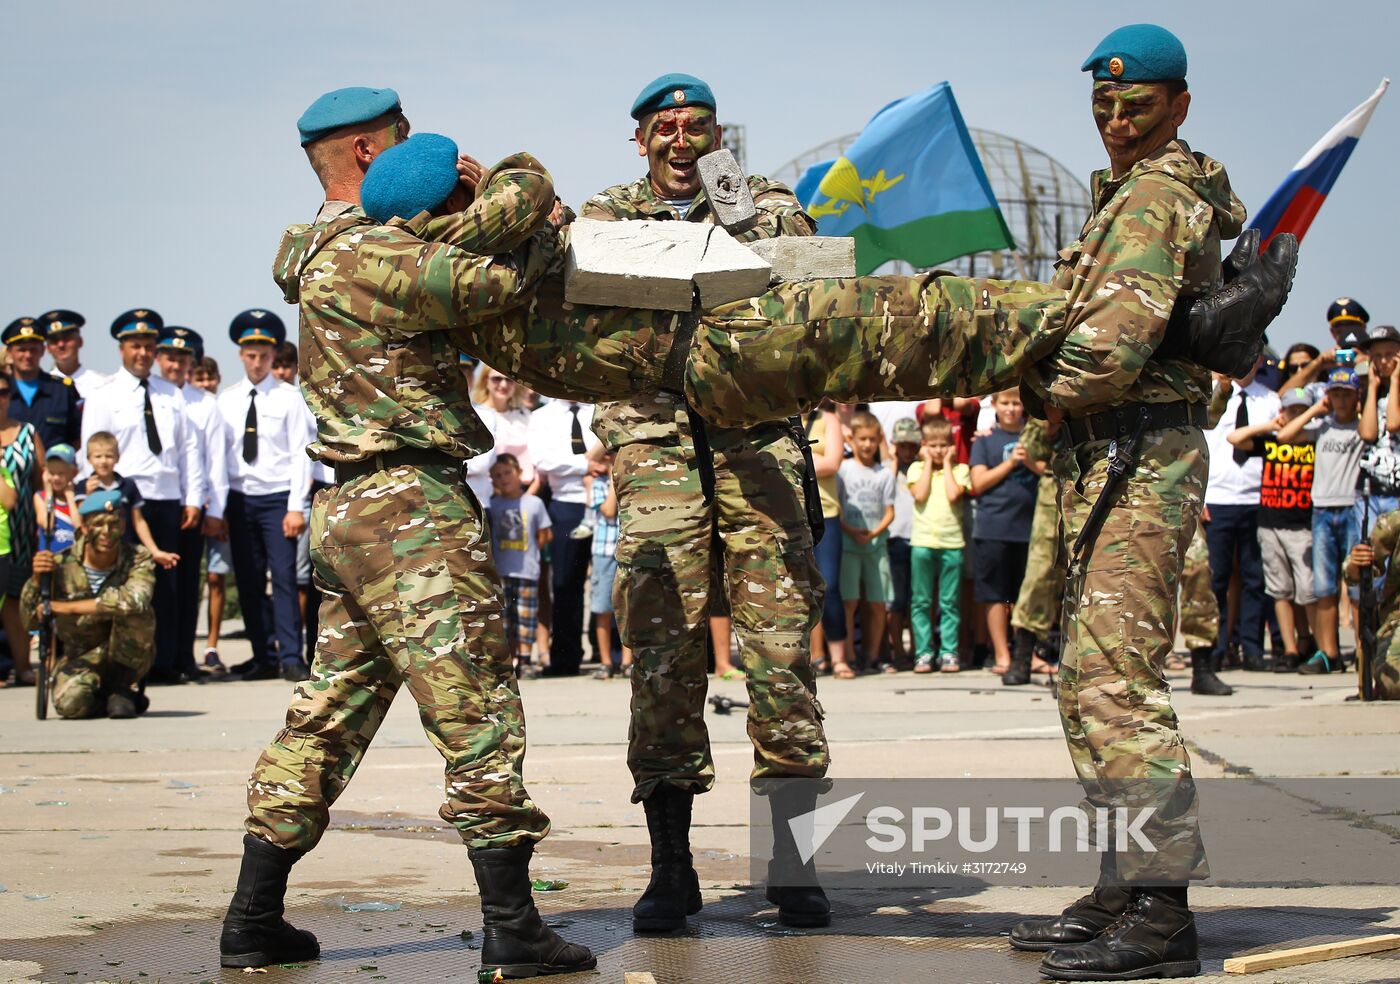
[(1223, 329)]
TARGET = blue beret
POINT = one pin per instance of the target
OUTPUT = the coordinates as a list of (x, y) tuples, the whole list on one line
[(59, 321), (257, 325), (135, 323), (344, 107), (108, 500), (410, 177), (1346, 309), (22, 330), (181, 340), (670, 91), (1138, 53)]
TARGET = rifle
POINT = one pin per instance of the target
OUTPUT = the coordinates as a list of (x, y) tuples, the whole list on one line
[(47, 636), (1366, 622)]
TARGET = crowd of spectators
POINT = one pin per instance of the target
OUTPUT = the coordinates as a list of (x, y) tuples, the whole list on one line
[(927, 506)]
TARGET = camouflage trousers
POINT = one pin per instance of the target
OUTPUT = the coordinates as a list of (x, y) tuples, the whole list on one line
[(1043, 588), (1120, 601), (1200, 615), (410, 597), (82, 682), (666, 554)]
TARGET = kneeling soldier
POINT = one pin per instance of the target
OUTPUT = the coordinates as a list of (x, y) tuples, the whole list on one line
[(102, 610)]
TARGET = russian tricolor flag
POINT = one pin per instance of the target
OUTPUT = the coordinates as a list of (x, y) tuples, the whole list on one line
[(1293, 206)]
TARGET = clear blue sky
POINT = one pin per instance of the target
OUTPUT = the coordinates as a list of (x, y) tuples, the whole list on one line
[(151, 155)]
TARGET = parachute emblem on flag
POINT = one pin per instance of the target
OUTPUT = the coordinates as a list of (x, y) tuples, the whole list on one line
[(844, 185)]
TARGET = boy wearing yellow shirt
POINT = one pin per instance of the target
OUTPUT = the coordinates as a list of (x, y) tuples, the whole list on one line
[(938, 484)]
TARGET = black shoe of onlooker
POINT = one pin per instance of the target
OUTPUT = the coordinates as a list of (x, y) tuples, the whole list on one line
[(261, 671), (1287, 663), (294, 670), (121, 706), (247, 666), (163, 678), (1232, 659), (1018, 674), (1254, 662), (1320, 663)]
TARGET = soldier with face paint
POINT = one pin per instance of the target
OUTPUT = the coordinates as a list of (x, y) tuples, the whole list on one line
[(747, 536)]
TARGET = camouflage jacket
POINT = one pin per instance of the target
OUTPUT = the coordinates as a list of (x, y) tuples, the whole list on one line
[(1155, 234), (1385, 543), (652, 416), (384, 310), (126, 591)]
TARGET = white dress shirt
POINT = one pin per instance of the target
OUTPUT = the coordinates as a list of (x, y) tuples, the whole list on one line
[(85, 381), (320, 471), (203, 411), (1232, 484), (177, 473), (551, 446), (478, 471), (281, 466)]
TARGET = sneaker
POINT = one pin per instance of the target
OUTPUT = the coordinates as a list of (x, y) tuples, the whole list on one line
[(948, 663), (212, 663), (582, 531), (1319, 663), (924, 664)]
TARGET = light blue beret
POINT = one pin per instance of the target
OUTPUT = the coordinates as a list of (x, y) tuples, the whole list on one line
[(410, 177), (1138, 53), (344, 107), (671, 91), (108, 500)]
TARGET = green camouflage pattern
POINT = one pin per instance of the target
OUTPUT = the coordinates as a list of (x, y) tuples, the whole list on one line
[(1200, 613), (1154, 236), (410, 598), (652, 416), (104, 653), (1037, 608), (1385, 542), (666, 550)]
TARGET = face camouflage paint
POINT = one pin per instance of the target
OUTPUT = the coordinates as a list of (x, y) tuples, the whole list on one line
[(673, 140), (1135, 118)]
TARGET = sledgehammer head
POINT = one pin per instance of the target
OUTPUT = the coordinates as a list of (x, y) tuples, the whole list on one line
[(728, 192)]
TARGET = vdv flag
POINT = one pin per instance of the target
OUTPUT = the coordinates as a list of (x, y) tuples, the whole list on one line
[(910, 188), (1293, 206)]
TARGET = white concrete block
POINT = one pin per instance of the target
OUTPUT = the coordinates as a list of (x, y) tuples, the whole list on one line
[(808, 257), (729, 272)]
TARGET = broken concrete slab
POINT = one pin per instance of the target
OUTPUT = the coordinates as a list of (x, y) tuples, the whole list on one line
[(808, 257), (728, 192), (658, 265), (729, 272)]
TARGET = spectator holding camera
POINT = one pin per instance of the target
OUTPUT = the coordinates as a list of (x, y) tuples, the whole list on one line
[(1380, 422), (1346, 321)]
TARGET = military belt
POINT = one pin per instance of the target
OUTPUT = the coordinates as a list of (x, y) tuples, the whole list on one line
[(673, 372), (412, 457), (1120, 422)]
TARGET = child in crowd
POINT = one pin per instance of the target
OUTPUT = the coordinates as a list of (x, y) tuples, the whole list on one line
[(56, 501), (206, 375), (520, 528), (905, 439), (602, 511), (866, 488), (1285, 522), (1335, 529), (102, 455), (937, 483), (1004, 479), (220, 560)]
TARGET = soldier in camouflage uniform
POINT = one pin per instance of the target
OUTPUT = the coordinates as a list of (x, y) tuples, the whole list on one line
[(1160, 212), (751, 530), (105, 625), (1382, 550), (1042, 589)]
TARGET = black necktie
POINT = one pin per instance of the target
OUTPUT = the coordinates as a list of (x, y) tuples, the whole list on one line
[(152, 433), (250, 429), (1241, 420), (576, 434)]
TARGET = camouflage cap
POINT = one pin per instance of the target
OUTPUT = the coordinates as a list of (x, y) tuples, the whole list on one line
[(906, 429)]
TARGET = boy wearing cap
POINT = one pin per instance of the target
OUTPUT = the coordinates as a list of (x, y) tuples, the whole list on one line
[(57, 499), (159, 450), (264, 426), (102, 614), (63, 331), (50, 404), (1285, 522), (1379, 348), (1335, 529)]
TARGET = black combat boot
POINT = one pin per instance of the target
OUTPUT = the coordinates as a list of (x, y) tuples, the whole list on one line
[(674, 890), (1082, 920), (255, 934), (792, 883), (517, 942), (1203, 678), (1155, 937), (1018, 674)]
